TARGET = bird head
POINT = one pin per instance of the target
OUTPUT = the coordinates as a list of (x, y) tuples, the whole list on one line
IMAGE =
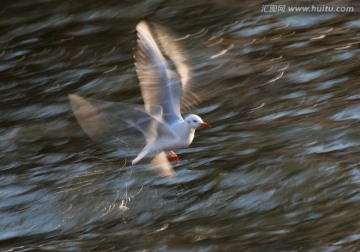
[(195, 121)]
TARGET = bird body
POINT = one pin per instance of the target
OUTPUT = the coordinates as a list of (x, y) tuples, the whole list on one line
[(162, 90), (182, 135)]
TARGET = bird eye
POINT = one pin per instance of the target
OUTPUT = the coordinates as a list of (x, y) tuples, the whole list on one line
[(194, 120)]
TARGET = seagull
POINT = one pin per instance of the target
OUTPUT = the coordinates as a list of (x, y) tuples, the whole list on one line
[(164, 82)]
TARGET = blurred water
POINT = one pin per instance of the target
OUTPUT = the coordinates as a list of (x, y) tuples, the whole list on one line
[(279, 169)]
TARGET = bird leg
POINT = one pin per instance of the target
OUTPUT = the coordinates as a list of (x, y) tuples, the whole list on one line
[(172, 157)]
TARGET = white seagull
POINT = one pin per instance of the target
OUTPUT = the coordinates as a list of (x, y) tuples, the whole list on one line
[(164, 91)]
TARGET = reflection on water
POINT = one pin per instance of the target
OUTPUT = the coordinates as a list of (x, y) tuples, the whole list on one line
[(279, 169)]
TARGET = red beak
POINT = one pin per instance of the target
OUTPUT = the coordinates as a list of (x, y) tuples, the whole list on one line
[(204, 124)]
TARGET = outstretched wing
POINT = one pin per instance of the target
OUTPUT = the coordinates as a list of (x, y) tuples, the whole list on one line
[(111, 123), (171, 48), (159, 86)]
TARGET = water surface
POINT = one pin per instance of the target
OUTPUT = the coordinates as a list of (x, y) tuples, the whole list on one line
[(278, 171)]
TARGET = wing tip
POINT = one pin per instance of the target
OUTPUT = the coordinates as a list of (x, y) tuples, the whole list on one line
[(76, 101), (143, 25)]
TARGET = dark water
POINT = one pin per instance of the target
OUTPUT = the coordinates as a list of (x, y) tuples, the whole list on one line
[(278, 171)]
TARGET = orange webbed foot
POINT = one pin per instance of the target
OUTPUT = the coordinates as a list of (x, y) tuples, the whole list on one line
[(172, 157)]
